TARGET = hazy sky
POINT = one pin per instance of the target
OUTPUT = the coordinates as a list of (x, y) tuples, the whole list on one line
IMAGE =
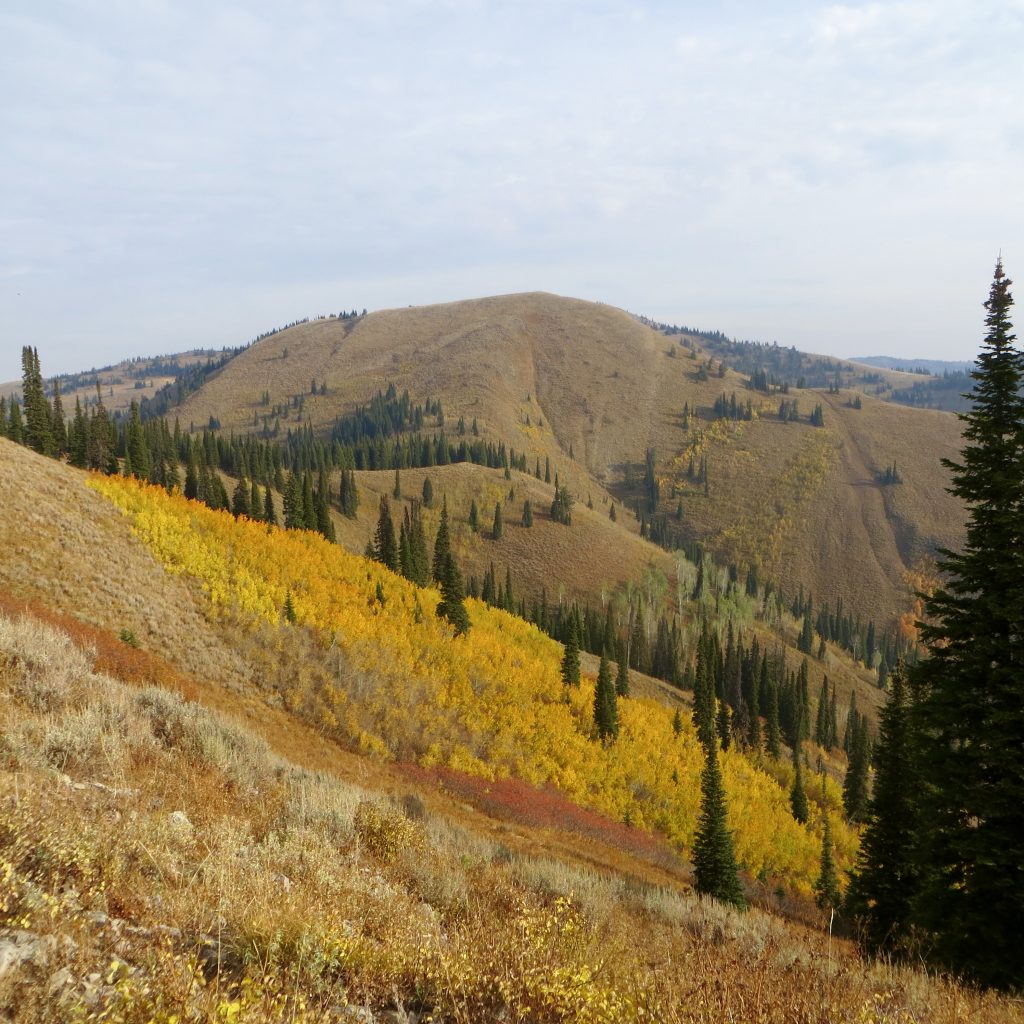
[(176, 174)]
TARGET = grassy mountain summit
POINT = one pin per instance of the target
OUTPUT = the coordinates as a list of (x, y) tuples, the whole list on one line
[(549, 376)]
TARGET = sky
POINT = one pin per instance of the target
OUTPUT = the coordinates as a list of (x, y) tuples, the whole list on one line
[(838, 177)]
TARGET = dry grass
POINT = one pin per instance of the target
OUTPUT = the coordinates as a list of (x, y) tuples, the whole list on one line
[(602, 383), (290, 895)]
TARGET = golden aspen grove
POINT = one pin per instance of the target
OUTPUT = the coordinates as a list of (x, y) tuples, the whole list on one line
[(490, 704)]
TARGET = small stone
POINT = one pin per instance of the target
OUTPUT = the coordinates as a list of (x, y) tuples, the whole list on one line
[(354, 1015), (59, 980), (179, 819)]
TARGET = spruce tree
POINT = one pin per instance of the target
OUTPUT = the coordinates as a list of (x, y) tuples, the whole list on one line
[(240, 499), (38, 430), (496, 529), (826, 888), (442, 546), (606, 712), (885, 882), (571, 658), (797, 795), (385, 545), (451, 606), (527, 514), (714, 861), (474, 516), (855, 783), (59, 428), (972, 684), (622, 676)]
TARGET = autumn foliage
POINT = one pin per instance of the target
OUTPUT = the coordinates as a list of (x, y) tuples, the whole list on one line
[(491, 704)]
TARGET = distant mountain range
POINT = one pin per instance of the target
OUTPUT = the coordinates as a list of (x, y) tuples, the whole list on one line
[(936, 367)]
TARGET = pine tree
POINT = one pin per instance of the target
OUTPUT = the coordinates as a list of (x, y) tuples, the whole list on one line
[(714, 861), (59, 428), (571, 658), (972, 704), (269, 515), (855, 783), (137, 452), (474, 516), (442, 546), (527, 514), (774, 740), (826, 888), (885, 882), (797, 796), (606, 712), (451, 606), (396, 491), (622, 676), (385, 545), (38, 429), (496, 529), (240, 500), (428, 493)]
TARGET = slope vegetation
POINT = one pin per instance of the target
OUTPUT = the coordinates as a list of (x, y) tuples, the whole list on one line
[(552, 376)]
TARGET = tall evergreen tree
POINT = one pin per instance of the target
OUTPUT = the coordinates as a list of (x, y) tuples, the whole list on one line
[(571, 658), (497, 528), (826, 888), (797, 795), (38, 433), (59, 428), (385, 544), (714, 860), (240, 500), (451, 606), (442, 546), (885, 882), (622, 676), (606, 712), (972, 683), (855, 783)]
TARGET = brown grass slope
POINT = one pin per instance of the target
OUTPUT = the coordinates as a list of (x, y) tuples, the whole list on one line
[(159, 862), (544, 374)]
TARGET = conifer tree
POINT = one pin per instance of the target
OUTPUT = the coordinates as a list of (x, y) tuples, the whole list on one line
[(38, 429), (240, 499), (442, 546), (385, 545), (571, 658), (972, 684), (622, 676), (59, 428), (855, 783), (826, 888), (885, 881), (269, 515), (774, 739), (451, 605), (474, 516), (714, 860), (137, 452), (78, 437), (527, 514), (15, 424), (797, 796), (496, 529), (606, 712), (428, 493)]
